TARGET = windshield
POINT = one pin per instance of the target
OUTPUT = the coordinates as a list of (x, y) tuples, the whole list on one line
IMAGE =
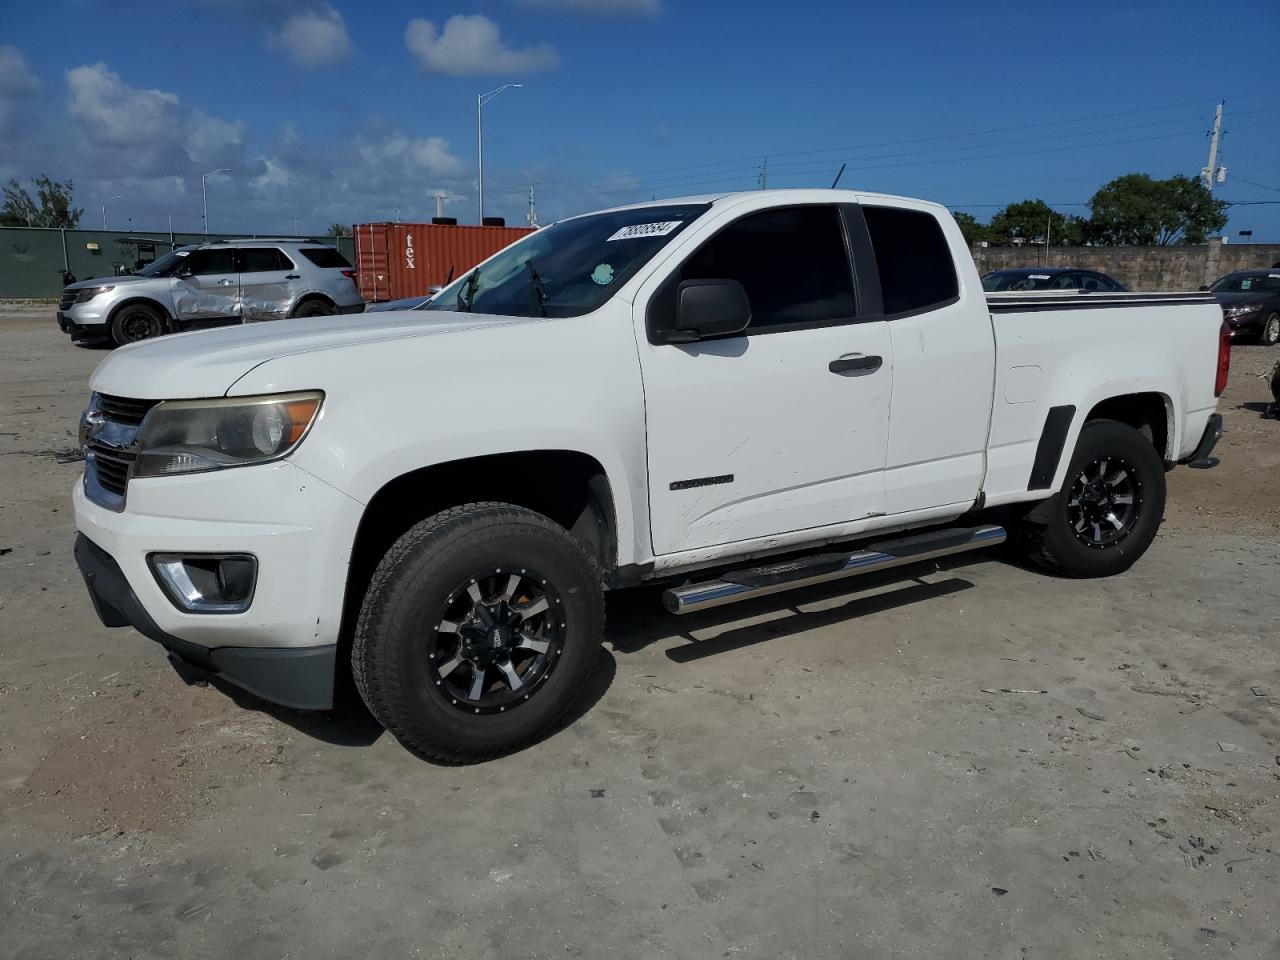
[(996, 282), (569, 268), (1248, 283), (166, 265)]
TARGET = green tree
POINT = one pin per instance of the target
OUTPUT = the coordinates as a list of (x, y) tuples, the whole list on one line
[(338, 230), (1032, 221), (974, 231), (1136, 210), (51, 206)]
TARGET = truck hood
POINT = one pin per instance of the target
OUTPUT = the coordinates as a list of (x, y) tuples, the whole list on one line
[(206, 363)]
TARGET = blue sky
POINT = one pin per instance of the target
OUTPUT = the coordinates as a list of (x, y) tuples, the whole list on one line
[(333, 111)]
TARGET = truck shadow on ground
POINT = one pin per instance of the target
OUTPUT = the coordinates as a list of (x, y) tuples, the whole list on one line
[(637, 618), (350, 724)]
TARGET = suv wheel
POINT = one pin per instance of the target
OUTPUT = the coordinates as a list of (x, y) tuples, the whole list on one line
[(478, 632), (134, 322), (314, 307)]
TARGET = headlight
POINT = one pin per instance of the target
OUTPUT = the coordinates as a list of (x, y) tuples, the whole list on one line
[(191, 436), (1241, 310), (88, 293)]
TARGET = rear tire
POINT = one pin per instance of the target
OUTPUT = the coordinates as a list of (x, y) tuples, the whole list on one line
[(314, 307), (135, 322), (1270, 335), (453, 670), (1108, 511)]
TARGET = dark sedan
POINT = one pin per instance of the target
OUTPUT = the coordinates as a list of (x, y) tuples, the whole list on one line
[(1050, 278), (1250, 302)]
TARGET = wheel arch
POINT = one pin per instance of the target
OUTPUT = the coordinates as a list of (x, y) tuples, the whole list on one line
[(1150, 413), (166, 315), (569, 487), (312, 295)]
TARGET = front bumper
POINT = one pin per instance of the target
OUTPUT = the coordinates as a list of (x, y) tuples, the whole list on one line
[(1247, 325), (283, 647), (82, 331), (299, 677)]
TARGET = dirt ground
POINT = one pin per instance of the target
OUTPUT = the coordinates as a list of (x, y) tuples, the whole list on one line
[(971, 760)]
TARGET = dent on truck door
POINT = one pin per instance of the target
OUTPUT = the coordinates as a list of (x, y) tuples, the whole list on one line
[(784, 427)]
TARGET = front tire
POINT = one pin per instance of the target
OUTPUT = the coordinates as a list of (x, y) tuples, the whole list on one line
[(1108, 511), (1270, 335), (135, 322), (478, 632)]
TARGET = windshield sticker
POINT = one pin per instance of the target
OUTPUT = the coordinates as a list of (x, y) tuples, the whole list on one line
[(639, 231), (1273, 276), (1039, 276), (1246, 284), (602, 274)]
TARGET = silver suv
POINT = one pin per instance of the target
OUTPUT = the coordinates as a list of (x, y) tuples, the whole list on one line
[(210, 285)]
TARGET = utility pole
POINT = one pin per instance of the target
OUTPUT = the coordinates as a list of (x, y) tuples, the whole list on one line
[(763, 179), (533, 207), (204, 196), (1048, 233), (1212, 171), (118, 196)]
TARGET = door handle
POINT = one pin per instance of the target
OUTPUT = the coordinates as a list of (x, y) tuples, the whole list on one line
[(855, 363), (226, 283), (293, 276)]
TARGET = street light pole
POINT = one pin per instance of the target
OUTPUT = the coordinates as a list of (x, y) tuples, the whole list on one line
[(118, 196), (204, 196), (481, 100)]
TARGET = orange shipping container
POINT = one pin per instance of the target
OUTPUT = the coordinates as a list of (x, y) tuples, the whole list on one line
[(397, 260)]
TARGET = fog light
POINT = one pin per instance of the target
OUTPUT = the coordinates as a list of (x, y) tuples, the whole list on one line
[(206, 583)]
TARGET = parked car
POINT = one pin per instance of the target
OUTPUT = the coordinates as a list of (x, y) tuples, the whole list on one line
[(694, 392), (211, 285), (1250, 302), (1050, 278)]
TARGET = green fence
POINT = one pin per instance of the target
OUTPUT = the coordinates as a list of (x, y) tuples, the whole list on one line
[(32, 259)]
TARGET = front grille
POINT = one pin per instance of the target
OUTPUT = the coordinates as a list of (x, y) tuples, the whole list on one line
[(123, 409), (112, 467)]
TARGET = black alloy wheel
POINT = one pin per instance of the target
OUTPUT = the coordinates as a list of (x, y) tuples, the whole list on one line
[(1105, 501), (498, 639)]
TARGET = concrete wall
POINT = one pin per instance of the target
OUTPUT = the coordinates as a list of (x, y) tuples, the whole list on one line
[(1139, 268), (32, 258)]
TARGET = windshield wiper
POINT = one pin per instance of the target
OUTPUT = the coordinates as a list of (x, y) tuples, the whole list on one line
[(468, 291), (539, 291)]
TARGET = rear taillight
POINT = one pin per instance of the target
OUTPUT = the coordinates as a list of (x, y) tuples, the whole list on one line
[(1224, 360), (351, 275)]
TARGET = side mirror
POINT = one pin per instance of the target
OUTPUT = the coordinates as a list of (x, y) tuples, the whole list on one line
[(709, 308), (184, 271), (1204, 286)]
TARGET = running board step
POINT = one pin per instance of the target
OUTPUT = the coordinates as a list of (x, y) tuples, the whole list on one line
[(749, 582)]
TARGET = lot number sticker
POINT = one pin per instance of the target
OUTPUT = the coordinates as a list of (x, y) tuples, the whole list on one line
[(638, 231)]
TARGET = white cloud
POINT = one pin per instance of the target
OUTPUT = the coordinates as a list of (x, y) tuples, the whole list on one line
[(142, 130), (16, 75), (602, 8), (18, 84), (472, 45), (314, 38)]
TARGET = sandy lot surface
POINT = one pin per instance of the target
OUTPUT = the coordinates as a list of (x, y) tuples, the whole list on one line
[(825, 774)]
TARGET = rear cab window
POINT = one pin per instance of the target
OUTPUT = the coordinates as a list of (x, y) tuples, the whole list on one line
[(913, 260), (325, 257)]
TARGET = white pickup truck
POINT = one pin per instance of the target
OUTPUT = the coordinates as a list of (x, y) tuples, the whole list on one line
[(732, 395)]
